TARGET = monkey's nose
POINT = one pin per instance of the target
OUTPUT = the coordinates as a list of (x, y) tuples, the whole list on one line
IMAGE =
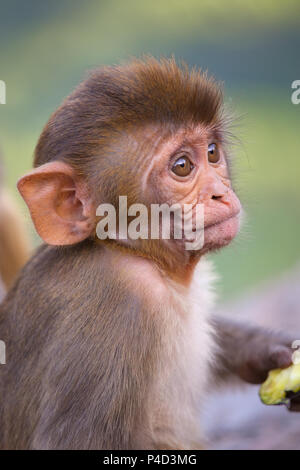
[(215, 190)]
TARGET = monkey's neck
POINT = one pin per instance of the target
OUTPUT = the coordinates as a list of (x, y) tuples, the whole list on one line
[(177, 268)]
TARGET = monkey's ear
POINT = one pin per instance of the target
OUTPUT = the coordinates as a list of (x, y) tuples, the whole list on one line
[(59, 203)]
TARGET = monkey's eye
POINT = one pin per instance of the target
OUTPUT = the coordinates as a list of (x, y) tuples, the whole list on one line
[(213, 153), (182, 166)]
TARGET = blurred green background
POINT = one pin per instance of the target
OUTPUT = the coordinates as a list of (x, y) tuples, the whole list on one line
[(253, 46)]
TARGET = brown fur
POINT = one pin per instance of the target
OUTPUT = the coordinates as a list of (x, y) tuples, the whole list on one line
[(52, 412), (112, 99)]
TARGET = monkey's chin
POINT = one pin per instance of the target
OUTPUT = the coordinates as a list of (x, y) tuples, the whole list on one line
[(221, 233)]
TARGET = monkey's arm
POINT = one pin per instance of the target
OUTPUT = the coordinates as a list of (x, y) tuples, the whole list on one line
[(249, 352)]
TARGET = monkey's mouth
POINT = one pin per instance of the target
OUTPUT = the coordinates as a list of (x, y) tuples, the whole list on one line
[(215, 235), (221, 233), (220, 222)]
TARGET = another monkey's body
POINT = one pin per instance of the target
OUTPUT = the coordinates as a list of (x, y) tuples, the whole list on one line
[(129, 375), (14, 247)]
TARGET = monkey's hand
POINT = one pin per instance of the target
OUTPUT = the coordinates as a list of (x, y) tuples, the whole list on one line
[(251, 352), (263, 351)]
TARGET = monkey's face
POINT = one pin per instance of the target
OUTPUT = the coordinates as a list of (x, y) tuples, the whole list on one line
[(100, 145), (190, 168)]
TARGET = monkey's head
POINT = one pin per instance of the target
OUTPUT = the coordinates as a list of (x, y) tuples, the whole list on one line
[(149, 130)]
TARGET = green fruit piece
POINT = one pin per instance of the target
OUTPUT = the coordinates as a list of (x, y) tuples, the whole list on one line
[(280, 385)]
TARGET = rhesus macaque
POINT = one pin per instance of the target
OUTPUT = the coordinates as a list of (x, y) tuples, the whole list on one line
[(111, 343), (14, 246)]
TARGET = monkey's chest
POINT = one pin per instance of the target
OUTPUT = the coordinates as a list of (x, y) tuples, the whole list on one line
[(181, 379)]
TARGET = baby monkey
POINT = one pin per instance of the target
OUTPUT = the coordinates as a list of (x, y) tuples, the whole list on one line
[(111, 343)]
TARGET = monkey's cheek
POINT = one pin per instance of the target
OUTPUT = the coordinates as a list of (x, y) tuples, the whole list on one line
[(221, 234)]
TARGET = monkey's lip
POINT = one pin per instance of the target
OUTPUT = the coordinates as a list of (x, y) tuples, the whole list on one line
[(222, 232), (220, 222)]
